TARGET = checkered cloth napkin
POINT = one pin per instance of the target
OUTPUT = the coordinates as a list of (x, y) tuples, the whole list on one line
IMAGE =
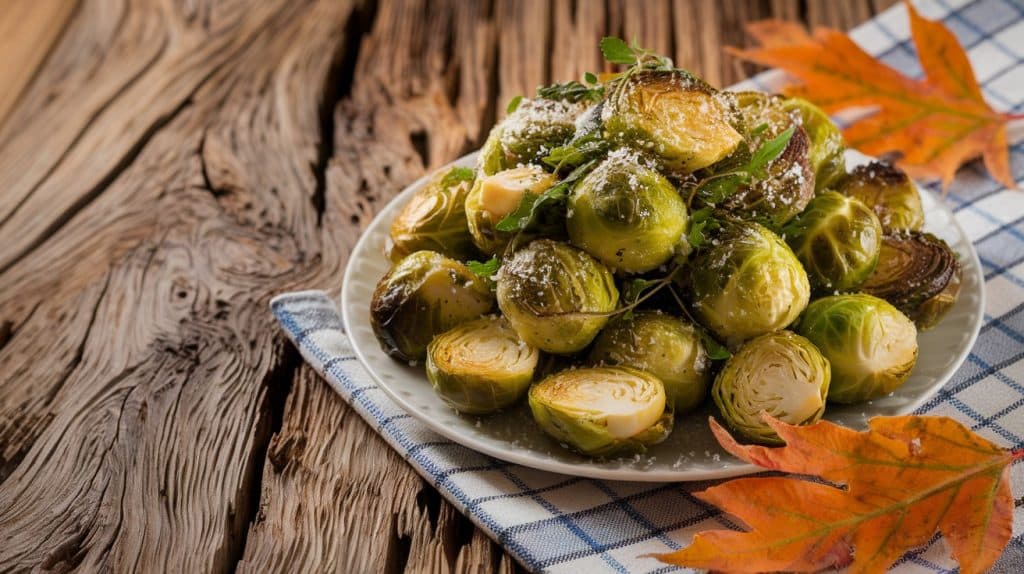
[(557, 523)]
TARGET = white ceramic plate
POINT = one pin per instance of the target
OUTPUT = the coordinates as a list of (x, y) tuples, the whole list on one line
[(690, 452)]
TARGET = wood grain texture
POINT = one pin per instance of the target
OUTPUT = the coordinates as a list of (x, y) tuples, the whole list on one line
[(168, 167)]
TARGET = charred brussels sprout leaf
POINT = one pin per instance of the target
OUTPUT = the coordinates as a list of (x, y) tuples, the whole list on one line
[(602, 411), (626, 214), (782, 374), (919, 274), (671, 115), (871, 346), (668, 347), (826, 143), (746, 283), (889, 193), (528, 134), (424, 295), (435, 218), (837, 239), (481, 366), (556, 296)]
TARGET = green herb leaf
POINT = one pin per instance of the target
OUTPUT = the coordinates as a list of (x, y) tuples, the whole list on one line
[(590, 78), (532, 205), (700, 221), (768, 151), (485, 269), (572, 91), (716, 351), (511, 222), (513, 105), (716, 189), (617, 52), (457, 175)]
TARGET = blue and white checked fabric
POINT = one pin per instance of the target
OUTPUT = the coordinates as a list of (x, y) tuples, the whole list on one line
[(557, 523)]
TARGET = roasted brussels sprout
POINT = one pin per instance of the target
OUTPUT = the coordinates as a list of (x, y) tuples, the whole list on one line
[(480, 366), (888, 192), (528, 134), (757, 109), (435, 218), (626, 214), (602, 411), (826, 143), (919, 274), (837, 239), (667, 347), (424, 295), (746, 283), (871, 346), (781, 374), (783, 192), (495, 196), (674, 116), (556, 296)]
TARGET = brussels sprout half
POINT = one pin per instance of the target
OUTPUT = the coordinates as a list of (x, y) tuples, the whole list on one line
[(424, 295), (781, 374), (556, 296), (602, 411), (673, 116), (480, 366), (435, 218), (747, 283), (626, 214), (667, 347), (528, 134), (919, 274), (497, 195), (888, 191), (871, 346), (826, 143), (837, 239)]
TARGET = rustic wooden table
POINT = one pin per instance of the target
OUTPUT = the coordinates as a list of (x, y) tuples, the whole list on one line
[(168, 166)]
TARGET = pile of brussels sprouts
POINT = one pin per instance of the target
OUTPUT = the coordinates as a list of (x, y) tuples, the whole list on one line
[(626, 247)]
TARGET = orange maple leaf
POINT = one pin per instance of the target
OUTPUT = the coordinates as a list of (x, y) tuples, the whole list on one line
[(904, 478), (937, 123)]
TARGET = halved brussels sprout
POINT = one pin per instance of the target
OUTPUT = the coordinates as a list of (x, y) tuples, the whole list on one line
[(871, 346), (784, 191), (556, 296), (826, 142), (480, 366), (837, 239), (626, 214), (424, 295), (888, 191), (667, 347), (528, 134), (747, 283), (919, 274), (495, 196), (602, 411), (781, 374), (672, 115), (757, 109), (435, 218)]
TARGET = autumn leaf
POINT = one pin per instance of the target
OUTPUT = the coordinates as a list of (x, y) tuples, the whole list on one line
[(936, 123), (902, 479)]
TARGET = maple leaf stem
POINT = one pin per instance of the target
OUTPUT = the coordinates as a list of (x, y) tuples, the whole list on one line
[(1013, 117), (1017, 454)]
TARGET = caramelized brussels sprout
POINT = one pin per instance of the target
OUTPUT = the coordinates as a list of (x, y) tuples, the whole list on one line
[(919, 274), (785, 190), (495, 196), (837, 239), (781, 374), (871, 346), (424, 295), (481, 366), (602, 411), (826, 143), (667, 347), (435, 218), (528, 134), (672, 115), (888, 192), (626, 214), (556, 296), (747, 283)]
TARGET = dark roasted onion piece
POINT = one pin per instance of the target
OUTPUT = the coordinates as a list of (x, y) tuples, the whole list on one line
[(919, 274)]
